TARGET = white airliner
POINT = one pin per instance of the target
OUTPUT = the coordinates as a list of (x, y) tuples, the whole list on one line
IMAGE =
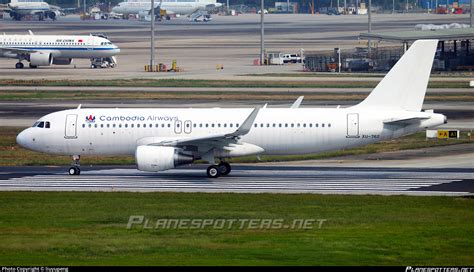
[(143, 7), (19, 8), (162, 139), (44, 50)]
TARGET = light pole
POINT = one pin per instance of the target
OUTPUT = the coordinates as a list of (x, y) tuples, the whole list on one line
[(470, 12), (152, 41), (85, 8), (262, 32), (369, 11)]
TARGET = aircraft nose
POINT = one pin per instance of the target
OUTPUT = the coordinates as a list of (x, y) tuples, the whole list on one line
[(21, 139)]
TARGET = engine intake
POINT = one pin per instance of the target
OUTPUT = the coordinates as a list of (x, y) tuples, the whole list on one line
[(159, 158)]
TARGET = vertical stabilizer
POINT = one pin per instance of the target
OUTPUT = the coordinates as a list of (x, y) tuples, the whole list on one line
[(405, 85)]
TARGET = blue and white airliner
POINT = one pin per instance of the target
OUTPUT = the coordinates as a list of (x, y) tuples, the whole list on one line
[(44, 50)]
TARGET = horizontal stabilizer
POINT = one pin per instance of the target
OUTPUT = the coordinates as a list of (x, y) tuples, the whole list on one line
[(404, 121)]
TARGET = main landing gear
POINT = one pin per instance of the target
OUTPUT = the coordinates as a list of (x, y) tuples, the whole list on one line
[(75, 170), (222, 169)]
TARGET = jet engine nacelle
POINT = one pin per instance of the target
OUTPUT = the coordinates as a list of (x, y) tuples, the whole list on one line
[(41, 59), (53, 14), (62, 61), (159, 158), (143, 13)]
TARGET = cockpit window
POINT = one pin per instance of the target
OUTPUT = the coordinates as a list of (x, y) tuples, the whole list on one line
[(47, 125), (35, 124), (41, 125)]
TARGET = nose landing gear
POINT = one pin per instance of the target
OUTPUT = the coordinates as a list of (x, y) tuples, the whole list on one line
[(75, 170)]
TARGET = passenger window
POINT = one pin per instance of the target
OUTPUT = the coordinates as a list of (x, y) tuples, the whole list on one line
[(162, 125), (83, 125), (212, 125), (126, 125), (322, 125), (108, 125), (102, 125), (95, 125), (316, 125), (169, 125), (90, 126), (132, 125), (150, 125), (292, 125), (231, 125), (138, 125), (329, 125), (255, 125), (310, 125)]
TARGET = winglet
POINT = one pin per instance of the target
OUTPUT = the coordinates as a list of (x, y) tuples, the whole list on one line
[(297, 103), (246, 125), (31, 32)]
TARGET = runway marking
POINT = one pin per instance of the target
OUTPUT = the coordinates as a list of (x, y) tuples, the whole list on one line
[(254, 181)]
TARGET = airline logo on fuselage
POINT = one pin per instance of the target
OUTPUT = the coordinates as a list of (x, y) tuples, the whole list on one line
[(125, 118), (90, 119)]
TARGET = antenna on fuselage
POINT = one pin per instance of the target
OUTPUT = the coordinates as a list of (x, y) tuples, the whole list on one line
[(79, 107)]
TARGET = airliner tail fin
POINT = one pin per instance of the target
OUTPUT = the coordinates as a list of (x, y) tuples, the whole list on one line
[(404, 87)]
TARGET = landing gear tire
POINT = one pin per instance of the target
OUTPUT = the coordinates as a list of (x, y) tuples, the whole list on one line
[(224, 168), (213, 171), (19, 65), (33, 66), (74, 171)]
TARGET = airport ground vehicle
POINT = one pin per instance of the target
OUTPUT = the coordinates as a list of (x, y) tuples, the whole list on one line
[(291, 58), (103, 62)]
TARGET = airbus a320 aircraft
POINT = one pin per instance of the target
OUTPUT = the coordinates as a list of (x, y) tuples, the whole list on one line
[(162, 139), (44, 50), (20, 8), (143, 7)]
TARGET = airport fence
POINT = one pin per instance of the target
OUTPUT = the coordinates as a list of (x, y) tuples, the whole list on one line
[(382, 59)]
